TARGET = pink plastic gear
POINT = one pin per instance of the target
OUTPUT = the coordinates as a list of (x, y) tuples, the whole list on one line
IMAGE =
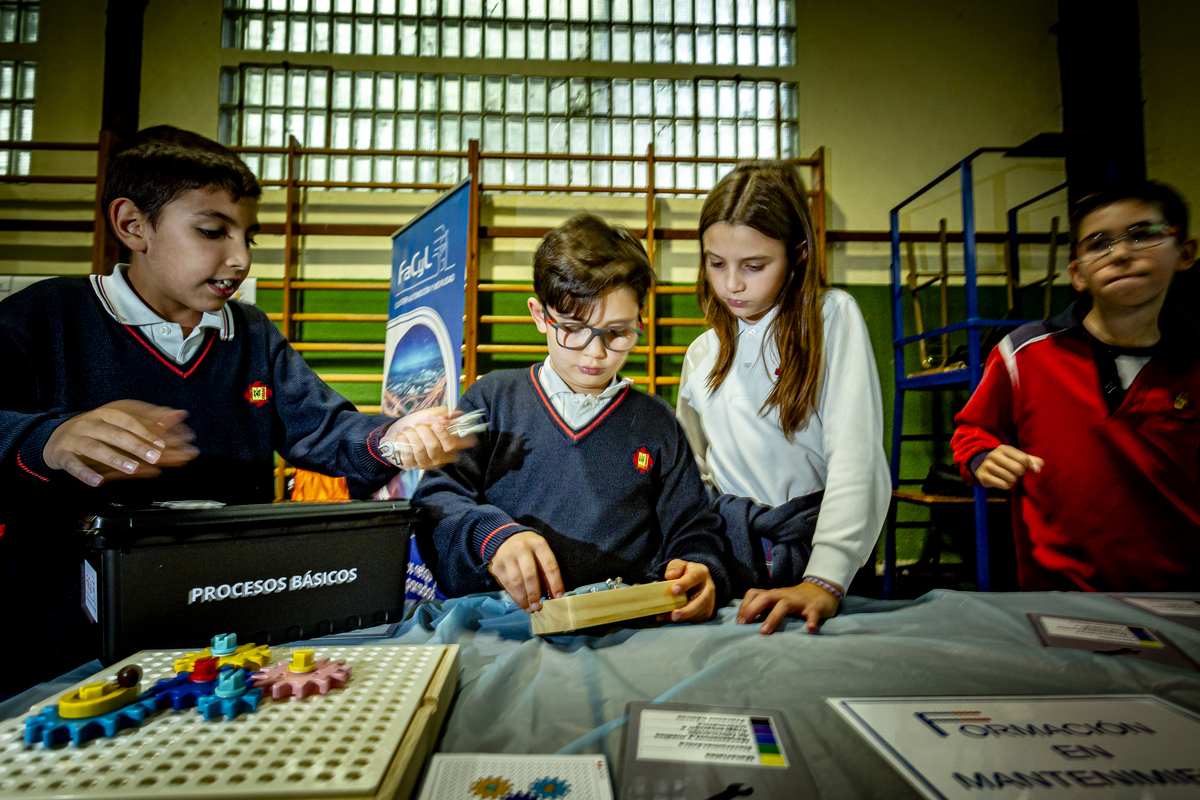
[(281, 681)]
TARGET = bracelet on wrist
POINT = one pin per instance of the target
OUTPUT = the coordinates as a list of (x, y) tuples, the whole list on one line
[(826, 585)]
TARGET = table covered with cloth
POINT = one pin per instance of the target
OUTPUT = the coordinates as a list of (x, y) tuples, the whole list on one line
[(568, 694)]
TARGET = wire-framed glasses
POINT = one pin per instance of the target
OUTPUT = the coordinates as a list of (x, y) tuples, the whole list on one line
[(577, 336), (1138, 237)]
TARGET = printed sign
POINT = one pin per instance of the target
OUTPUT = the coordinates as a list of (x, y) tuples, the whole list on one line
[(1033, 747), (1103, 632), (1184, 610), (1109, 639), (710, 739), (423, 354)]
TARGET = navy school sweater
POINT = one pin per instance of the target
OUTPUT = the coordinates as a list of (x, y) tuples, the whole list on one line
[(620, 497), (62, 354)]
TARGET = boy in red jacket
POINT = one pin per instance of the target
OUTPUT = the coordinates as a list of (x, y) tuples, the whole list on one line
[(1091, 417)]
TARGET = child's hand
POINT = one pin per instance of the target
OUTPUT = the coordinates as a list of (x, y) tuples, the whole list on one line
[(694, 579), (126, 438), (523, 565), (422, 441), (803, 600), (1004, 466)]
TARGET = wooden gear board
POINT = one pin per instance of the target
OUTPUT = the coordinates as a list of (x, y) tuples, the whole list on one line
[(366, 741), (577, 611)]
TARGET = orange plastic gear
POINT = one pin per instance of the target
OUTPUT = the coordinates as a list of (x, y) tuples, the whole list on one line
[(491, 787), (281, 681)]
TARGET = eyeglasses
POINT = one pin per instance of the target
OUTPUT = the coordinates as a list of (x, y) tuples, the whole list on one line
[(577, 336), (1139, 237)]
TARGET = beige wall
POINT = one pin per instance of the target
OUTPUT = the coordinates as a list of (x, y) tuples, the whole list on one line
[(1171, 92)]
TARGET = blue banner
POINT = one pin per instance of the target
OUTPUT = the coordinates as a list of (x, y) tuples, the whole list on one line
[(423, 355)]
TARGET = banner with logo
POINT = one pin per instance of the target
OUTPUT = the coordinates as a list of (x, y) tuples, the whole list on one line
[(1107, 746), (423, 355)]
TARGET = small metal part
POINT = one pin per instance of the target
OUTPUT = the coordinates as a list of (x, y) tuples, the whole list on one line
[(461, 427), (467, 424), (614, 583)]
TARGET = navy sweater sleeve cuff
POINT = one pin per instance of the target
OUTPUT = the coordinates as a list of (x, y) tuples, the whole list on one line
[(489, 532), (973, 463), (370, 453), (29, 457)]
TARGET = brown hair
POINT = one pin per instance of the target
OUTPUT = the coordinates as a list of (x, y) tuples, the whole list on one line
[(585, 257), (770, 197), (158, 164)]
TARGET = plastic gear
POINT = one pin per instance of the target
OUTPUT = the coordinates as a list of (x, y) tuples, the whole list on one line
[(212, 706), (249, 657), (51, 729), (549, 788), (491, 787), (283, 682), (180, 692), (231, 697)]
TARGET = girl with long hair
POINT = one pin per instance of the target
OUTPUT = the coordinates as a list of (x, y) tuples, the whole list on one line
[(780, 399)]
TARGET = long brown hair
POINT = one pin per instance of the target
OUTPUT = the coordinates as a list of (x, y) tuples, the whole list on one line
[(770, 197)]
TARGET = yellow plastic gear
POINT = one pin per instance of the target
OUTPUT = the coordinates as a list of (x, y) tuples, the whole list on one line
[(97, 698), (250, 657), (491, 787)]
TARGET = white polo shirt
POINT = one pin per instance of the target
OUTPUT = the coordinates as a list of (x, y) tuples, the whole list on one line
[(122, 304), (744, 453), (577, 410)]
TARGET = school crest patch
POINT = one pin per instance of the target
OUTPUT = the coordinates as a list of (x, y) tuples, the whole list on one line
[(258, 393), (643, 460)]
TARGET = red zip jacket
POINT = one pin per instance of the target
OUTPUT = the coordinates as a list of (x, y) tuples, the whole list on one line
[(1117, 505)]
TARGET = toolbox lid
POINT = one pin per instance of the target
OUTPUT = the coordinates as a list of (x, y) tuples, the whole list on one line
[(118, 527)]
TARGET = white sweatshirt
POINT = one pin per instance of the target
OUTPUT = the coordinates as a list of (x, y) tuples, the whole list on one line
[(744, 453)]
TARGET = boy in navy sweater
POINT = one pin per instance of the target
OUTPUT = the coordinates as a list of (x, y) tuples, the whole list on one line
[(99, 375), (579, 478)]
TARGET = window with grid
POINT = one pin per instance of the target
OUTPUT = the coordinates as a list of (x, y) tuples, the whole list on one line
[(16, 113), (560, 117), (746, 32), (19, 21)]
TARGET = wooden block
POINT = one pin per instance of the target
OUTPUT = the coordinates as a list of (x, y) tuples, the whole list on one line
[(600, 608), (417, 745)]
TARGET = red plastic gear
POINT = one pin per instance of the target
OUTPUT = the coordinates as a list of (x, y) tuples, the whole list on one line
[(281, 681)]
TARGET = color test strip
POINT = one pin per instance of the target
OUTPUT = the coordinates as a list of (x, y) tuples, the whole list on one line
[(1145, 637), (770, 754)]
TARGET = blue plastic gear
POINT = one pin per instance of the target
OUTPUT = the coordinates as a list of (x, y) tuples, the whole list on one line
[(179, 692), (550, 788), (212, 706), (51, 729)]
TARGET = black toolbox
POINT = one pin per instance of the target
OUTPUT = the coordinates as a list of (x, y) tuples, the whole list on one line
[(168, 578)]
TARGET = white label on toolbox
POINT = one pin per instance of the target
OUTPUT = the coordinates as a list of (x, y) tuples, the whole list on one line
[(309, 580), (89, 593)]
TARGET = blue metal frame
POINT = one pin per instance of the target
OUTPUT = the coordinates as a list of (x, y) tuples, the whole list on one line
[(970, 376), (1014, 233)]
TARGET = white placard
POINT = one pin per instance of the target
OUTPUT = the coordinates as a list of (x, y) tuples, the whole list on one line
[(706, 738), (90, 604), (1166, 607), (1107, 632), (1112, 746)]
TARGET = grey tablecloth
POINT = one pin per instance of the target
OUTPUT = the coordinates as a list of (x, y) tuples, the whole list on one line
[(567, 694)]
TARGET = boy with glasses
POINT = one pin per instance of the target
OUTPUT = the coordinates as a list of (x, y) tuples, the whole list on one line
[(1090, 417), (579, 478)]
